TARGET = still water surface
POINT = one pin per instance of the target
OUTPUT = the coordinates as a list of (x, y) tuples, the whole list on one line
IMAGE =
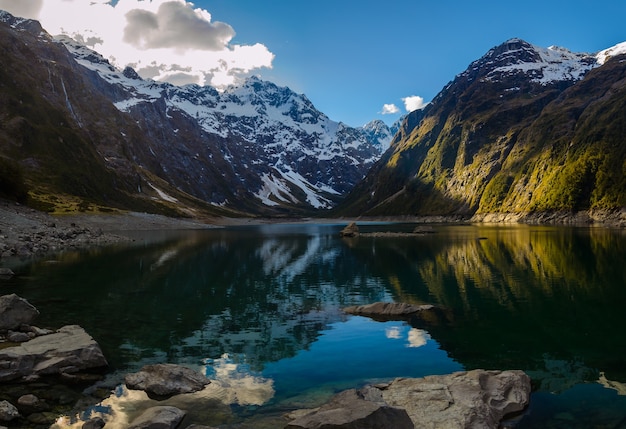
[(258, 309)]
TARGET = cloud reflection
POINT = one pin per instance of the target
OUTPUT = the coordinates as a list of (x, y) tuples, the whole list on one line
[(239, 384), (418, 338), (232, 383), (415, 338)]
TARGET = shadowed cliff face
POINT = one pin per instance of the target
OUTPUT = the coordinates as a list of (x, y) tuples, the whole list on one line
[(503, 138)]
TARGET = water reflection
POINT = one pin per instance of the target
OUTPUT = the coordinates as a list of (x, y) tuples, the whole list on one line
[(546, 300)]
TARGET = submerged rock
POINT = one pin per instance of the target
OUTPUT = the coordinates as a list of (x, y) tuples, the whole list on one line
[(462, 400), (160, 417), (68, 350), (166, 380)]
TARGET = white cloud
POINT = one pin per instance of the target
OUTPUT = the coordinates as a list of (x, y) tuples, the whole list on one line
[(389, 109), (22, 8), (167, 40), (414, 102)]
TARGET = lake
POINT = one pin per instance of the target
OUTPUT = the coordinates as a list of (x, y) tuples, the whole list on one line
[(258, 310)]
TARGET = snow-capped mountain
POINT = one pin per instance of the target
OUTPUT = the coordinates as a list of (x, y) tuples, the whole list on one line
[(299, 155), (379, 132), (522, 129)]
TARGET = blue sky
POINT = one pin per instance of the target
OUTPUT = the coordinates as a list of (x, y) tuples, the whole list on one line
[(349, 57)]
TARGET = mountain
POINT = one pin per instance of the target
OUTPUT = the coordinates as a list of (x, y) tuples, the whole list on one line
[(279, 148), (523, 129), (380, 133), (255, 148)]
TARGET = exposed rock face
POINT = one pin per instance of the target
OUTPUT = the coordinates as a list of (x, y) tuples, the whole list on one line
[(166, 380), (463, 400), (68, 350), (158, 418), (15, 311)]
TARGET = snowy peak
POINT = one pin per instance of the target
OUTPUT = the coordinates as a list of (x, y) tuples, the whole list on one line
[(380, 133), (282, 150), (603, 56), (518, 58)]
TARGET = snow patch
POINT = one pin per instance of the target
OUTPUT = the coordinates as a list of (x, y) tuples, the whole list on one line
[(163, 195)]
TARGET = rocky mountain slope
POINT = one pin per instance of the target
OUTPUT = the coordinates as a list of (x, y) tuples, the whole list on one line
[(255, 148), (523, 129)]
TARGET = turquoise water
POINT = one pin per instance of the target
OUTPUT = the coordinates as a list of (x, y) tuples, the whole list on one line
[(258, 309)]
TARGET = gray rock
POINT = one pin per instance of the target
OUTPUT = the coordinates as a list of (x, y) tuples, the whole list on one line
[(17, 337), (416, 315), (68, 349), (388, 309), (199, 427), (352, 230), (349, 409), (30, 403), (166, 380), (15, 311), (473, 399), (95, 423), (162, 417), (8, 411), (463, 400), (6, 273)]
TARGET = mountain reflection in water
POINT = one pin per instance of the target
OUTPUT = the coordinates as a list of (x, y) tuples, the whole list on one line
[(268, 299)]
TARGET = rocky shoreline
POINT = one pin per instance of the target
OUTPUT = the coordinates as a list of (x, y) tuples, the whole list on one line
[(26, 232), (36, 363)]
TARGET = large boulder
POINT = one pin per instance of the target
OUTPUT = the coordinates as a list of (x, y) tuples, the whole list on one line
[(463, 400), (68, 350), (160, 417), (15, 311), (473, 399), (166, 379), (350, 409)]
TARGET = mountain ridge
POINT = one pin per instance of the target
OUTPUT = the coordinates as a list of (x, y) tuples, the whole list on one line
[(256, 148), (473, 147)]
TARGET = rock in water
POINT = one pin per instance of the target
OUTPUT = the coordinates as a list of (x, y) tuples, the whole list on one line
[(349, 409), (473, 399), (388, 309), (166, 380), (350, 231), (68, 350), (463, 400), (15, 311), (163, 417)]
